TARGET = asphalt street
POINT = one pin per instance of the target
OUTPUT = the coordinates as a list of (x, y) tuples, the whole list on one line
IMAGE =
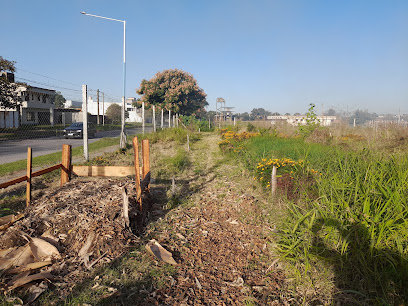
[(15, 150)]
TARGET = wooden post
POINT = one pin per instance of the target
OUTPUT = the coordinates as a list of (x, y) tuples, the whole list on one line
[(137, 170), (146, 159), (273, 181), (188, 143), (66, 164), (162, 115), (154, 119), (29, 171)]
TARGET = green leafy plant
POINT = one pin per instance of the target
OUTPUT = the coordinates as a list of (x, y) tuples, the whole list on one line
[(312, 123)]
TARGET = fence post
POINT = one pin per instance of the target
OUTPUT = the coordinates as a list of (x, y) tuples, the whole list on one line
[(169, 118), (273, 181), (137, 170), (66, 164), (143, 118), (188, 143), (154, 119), (146, 159), (29, 171)]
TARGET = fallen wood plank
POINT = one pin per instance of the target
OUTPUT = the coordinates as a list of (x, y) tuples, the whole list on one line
[(103, 170), (46, 170), (15, 181)]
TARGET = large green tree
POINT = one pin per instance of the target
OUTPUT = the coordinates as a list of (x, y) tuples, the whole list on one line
[(9, 97), (174, 90)]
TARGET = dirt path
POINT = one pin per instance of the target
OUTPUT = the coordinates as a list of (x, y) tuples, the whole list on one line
[(219, 240)]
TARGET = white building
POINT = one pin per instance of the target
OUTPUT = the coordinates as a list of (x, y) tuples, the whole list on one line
[(296, 120), (134, 113), (37, 107)]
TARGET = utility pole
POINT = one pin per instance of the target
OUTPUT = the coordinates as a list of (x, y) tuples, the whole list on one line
[(97, 99), (85, 120), (103, 108)]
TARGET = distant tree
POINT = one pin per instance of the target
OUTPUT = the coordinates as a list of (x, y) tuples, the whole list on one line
[(245, 116), (330, 112), (113, 113), (211, 115), (9, 97), (287, 114), (59, 100), (174, 90), (259, 113), (296, 114), (362, 116), (275, 114)]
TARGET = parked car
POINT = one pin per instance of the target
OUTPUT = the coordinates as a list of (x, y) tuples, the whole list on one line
[(75, 130)]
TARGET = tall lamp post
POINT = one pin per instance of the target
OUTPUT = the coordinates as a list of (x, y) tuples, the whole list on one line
[(123, 131)]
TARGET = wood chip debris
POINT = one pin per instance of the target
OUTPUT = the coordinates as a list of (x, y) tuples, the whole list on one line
[(79, 223)]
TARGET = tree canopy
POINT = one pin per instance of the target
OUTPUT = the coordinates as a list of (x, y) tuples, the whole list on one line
[(114, 113), (259, 113), (9, 97), (174, 90), (59, 100)]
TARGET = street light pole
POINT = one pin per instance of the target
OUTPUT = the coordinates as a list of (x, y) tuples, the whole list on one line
[(123, 130)]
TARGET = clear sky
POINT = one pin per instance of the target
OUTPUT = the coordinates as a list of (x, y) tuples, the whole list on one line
[(277, 54)]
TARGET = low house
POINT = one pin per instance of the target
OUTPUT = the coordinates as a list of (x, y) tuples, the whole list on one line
[(37, 107), (302, 119)]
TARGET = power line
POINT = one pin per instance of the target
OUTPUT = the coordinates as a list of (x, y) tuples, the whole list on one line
[(49, 77)]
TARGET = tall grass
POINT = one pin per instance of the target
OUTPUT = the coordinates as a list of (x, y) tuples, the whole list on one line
[(353, 217)]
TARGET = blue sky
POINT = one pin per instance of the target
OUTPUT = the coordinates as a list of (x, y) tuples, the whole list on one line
[(280, 55)]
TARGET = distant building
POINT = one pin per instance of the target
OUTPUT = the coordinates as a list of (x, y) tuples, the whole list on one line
[(72, 104), (134, 113), (301, 120)]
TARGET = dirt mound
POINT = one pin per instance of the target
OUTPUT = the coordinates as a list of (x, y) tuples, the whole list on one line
[(83, 220)]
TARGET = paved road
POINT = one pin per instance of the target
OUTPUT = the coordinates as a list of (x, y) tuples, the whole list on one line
[(15, 150)]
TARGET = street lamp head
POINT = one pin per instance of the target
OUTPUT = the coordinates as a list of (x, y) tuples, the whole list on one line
[(83, 13)]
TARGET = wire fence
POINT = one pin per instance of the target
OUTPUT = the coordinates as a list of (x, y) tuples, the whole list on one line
[(43, 122)]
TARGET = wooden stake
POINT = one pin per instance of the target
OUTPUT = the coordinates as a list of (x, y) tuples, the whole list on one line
[(29, 171), (125, 208), (137, 170), (66, 164), (188, 143), (146, 159), (273, 181)]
